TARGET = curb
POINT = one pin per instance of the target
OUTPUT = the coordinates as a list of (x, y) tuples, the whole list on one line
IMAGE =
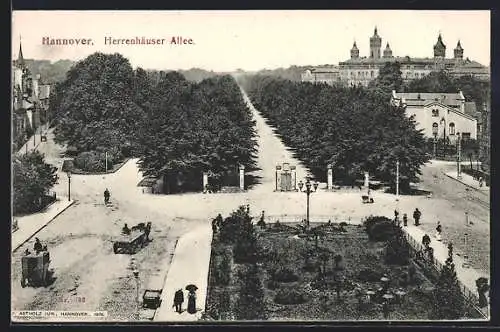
[(42, 227), (466, 184)]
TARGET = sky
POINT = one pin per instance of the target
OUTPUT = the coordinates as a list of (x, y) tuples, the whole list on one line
[(249, 40)]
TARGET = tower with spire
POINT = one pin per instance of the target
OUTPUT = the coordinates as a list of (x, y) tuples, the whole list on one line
[(458, 52), (354, 51), (375, 45), (439, 48), (387, 51)]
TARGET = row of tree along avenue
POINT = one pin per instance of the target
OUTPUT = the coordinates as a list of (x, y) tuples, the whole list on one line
[(177, 128), (353, 128)]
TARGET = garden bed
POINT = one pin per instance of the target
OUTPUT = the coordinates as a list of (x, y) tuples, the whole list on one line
[(289, 277)]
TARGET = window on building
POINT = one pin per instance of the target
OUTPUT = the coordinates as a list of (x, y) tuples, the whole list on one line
[(465, 136), (435, 113), (372, 73), (452, 128)]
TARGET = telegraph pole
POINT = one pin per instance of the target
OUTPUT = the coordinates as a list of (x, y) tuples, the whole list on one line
[(106, 156), (459, 173), (397, 179)]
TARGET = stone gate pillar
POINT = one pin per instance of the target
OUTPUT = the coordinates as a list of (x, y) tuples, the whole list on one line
[(242, 177), (278, 178), (329, 177), (367, 180), (205, 181)]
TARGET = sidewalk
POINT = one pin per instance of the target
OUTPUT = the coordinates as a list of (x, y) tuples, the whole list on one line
[(469, 181), (29, 144), (31, 224), (190, 265), (467, 276)]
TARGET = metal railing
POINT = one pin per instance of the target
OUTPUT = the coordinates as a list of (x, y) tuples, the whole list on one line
[(472, 298)]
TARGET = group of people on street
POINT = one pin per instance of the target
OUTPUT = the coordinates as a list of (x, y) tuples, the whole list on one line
[(416, 217), (37, 247), (179, 300)]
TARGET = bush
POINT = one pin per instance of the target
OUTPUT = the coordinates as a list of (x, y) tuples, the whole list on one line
[(285, 275), (382, 231), (93, 161), (369, 275), (223, 269), (290, 296)]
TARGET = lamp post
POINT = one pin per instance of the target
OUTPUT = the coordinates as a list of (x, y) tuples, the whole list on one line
[(434, 133), (308, 192), (69, 184)]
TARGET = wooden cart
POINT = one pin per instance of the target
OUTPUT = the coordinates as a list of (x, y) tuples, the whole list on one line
[(137, 239), (35, 269)]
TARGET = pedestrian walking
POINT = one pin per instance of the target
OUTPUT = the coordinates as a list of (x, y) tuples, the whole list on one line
[(438, 231), (37, 247), (178, 300), (106, 196), (416, 216), (405, 220), (191, 302), (214, 225), (480, 182), (219, 220)]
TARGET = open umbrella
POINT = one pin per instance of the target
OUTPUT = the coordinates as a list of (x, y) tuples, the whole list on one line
[(191, 288)]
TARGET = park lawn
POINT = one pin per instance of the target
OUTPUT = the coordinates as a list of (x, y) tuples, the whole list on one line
[(358, 253)]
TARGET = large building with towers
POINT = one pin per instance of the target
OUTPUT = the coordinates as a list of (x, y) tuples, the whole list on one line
[(360, 70)]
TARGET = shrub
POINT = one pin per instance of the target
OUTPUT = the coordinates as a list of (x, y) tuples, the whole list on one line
[(93, 161), (223, 269), (369, 275), (372, 220), (285, 275), (382, 231), (290, 296), (397, 249)]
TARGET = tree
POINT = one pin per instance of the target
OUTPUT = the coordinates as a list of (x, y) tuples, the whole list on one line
[(95, 105), (194, 128), (337, 125), (251, 296), (32, 178), (337, 259), (389, 79), (448, 300)]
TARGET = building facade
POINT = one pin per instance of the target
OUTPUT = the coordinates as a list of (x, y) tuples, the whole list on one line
[(30, 99), (361, 70), (439, 115), (328, 75)]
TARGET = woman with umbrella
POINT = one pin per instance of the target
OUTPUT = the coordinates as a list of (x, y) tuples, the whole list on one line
[(191, 308)]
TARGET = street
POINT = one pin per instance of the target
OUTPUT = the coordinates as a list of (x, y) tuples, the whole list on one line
[(89, 276)]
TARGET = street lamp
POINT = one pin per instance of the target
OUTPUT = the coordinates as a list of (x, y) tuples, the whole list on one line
[(69, 184), (308, 192), (435, 133)]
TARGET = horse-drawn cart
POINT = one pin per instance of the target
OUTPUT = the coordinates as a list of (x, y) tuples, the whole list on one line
[(129, 243), (35, 269)]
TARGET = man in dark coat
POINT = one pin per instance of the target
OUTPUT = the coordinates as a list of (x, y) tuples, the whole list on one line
[(37, 247), (106, 196), (178, 300), (416, 215)]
